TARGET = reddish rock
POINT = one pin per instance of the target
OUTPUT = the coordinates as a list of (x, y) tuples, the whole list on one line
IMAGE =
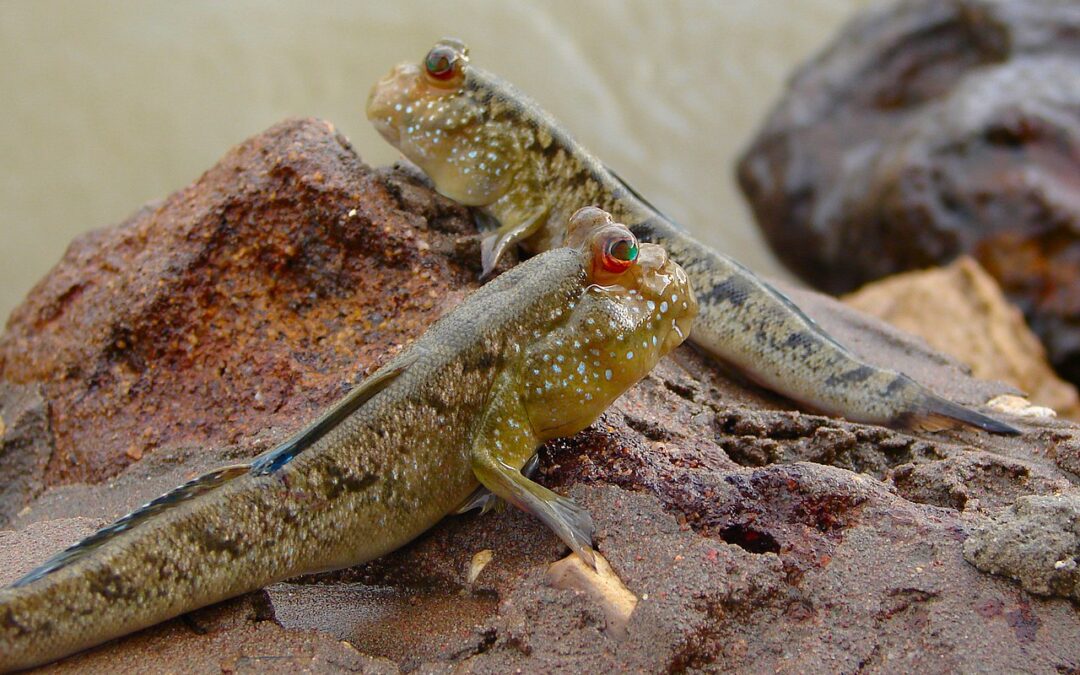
[(755, 537), (930, 129), (247, 301)]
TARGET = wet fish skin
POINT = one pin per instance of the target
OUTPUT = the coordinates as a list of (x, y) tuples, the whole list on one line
[(537, 353), (487, 145)]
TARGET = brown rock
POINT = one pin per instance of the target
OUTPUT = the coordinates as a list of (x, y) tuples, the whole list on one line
[(930, 129), (245, 302), (755, 537), (960, 310), (1067, 454)]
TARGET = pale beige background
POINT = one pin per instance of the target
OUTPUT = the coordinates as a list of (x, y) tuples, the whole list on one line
[(106, 105)]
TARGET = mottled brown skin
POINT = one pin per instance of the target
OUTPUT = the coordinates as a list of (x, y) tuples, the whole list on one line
[(539, 352), (486, 144)]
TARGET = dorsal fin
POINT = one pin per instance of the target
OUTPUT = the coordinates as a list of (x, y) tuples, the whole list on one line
[(193, 488), (273, 460), (265, 463), (780, 295)]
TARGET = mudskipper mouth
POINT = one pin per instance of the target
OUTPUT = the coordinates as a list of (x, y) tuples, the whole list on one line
[(386, 99), (388, 131), (678, 334), (381, 117), (684, 307)]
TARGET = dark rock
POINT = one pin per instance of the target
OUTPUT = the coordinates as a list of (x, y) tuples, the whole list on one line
[(755, 537), (25, 446), (930, 129)]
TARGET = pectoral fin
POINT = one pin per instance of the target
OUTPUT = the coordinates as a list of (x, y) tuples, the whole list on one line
[(567, 520), (522, 212), (498, 457), (495, 245), (483, 499)]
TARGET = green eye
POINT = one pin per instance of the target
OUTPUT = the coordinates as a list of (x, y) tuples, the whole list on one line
[(619, 254), (440, 62), (624, 249)]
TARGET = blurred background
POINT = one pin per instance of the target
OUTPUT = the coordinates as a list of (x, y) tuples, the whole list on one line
[(108, 105)]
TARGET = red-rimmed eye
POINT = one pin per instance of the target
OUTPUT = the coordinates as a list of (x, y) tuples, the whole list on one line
[(440, 62), (619, 253)]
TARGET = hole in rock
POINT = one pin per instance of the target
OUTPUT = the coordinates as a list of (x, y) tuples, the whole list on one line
[(750, 539)]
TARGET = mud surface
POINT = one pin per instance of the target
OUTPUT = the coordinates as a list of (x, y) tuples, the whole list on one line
[(755, 537)]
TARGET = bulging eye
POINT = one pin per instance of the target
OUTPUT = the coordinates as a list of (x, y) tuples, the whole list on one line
[(441, 62), (619, 252)]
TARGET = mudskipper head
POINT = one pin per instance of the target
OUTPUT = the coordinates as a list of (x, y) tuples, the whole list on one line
[(439, 113), (637, 307)]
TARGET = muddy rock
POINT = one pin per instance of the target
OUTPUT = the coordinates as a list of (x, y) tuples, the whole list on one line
[(746, 535), (960, 310), (1035, 541), (974, 479), (930, 129)]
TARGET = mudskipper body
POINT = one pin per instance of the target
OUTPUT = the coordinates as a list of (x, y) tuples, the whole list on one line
[(537, 353), (485, 144)]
